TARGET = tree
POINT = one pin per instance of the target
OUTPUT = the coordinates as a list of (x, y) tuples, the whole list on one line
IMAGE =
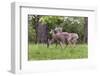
[(85, 29), (73, 24)]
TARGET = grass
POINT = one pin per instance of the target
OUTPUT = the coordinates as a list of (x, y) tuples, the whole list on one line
[(41, 52)]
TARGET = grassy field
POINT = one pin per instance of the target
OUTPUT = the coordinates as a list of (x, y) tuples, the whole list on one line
[(41, 52)]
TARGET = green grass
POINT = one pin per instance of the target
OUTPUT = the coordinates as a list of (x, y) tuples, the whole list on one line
[(41, 52)]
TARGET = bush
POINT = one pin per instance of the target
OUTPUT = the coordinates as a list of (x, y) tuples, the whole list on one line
[(31, 34)]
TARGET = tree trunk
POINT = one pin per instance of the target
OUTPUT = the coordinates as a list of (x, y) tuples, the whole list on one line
[(86, 30)]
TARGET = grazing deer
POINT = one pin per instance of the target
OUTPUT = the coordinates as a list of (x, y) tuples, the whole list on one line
[(63, 37)]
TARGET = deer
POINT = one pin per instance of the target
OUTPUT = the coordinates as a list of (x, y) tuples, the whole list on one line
[(63, 37), (70, 37), (57, 38)]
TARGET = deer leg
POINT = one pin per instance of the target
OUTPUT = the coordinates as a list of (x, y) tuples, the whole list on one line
[(69, 43), (74, 42), (61, 44), (56, 43), (50, 42), (47, 43), (64, 42)]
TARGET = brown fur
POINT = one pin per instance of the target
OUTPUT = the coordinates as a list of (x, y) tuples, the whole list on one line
[(63, 38)]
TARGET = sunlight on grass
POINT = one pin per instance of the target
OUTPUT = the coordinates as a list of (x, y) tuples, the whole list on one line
[(41, 52)]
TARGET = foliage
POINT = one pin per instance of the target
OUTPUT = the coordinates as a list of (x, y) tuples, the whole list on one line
[(76, 25), (31, 29), (31, 35), (52, 21), (68, 23)]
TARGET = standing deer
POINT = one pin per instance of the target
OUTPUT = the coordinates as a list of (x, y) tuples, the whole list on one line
[(56, 37)]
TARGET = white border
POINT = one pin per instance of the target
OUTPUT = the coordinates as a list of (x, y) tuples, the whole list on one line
[(19, 60)]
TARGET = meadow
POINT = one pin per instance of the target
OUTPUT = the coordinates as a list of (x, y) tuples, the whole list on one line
[(41, 52)]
